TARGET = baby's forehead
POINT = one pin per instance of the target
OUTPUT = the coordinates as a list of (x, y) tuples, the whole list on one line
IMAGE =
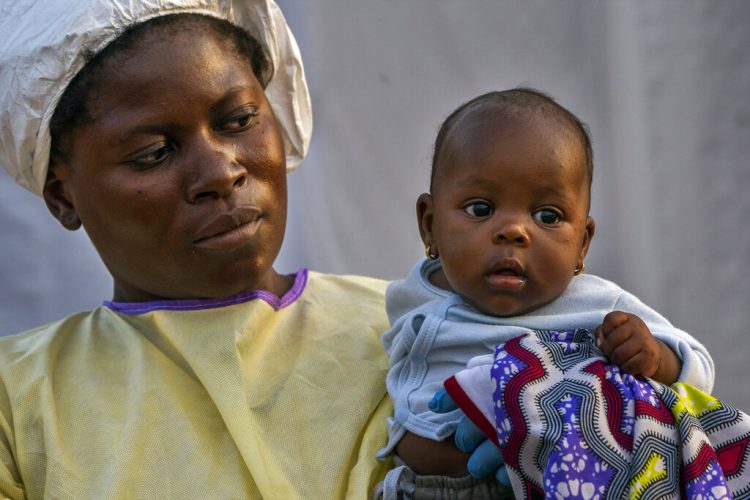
[(497, 118), (488, 125), (516, 138)]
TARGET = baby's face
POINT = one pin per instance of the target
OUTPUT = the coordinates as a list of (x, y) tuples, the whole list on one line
[(509, 211)]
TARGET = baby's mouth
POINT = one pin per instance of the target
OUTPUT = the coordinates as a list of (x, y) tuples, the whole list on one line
[(508, 276)]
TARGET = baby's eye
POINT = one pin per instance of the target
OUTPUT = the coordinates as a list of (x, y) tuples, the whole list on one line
[(547, 216), (479, 209)]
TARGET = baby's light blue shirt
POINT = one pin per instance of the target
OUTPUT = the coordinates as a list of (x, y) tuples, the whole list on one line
[(435, 334)]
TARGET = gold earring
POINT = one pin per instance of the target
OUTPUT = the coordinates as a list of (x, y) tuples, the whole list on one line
[(71, 219), (578, 270), (428, 253)]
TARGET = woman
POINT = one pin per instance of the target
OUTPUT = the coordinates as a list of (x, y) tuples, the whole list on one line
[(209, 374), (165, 130)]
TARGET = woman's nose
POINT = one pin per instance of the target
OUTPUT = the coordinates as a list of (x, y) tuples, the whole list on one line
[(217, 174), (512, 232)]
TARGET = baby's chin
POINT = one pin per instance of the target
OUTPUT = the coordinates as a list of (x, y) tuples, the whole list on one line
[(504, 306)]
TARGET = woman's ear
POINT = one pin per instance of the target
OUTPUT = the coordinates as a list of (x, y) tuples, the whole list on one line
[(424, 219), (56, 195)]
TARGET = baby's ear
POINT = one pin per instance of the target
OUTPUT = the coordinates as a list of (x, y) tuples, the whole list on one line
[(56, 195), (588, 236), (424, 218)]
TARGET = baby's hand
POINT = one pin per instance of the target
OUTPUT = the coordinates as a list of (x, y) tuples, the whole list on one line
[(629, 344)]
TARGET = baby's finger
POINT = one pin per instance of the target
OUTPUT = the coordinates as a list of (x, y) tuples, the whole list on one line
[(642, 363), (610, 342), (612, 321), (622, 353)]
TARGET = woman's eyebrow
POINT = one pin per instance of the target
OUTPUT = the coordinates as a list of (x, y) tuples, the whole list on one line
[(151, 128), (155, 128), (232, 94)]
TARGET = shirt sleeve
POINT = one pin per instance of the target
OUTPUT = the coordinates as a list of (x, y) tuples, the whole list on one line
[(697, 365), (10, 480)]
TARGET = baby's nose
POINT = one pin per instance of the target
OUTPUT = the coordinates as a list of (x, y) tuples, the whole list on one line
[(511, 232)]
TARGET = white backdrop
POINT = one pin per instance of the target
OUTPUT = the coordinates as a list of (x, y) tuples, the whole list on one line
[(663, 84)]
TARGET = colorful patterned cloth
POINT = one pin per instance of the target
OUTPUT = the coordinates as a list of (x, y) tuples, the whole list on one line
[(571, 425)]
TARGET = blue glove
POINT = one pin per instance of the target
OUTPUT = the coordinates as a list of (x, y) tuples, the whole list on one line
[(486, 456)]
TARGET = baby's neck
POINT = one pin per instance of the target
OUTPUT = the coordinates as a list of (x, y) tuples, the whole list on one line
[(439, 280)]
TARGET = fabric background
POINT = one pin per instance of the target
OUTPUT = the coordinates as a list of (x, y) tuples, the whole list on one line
[(664, 86)]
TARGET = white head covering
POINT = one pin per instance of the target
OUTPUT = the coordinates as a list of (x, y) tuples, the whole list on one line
[(43, 45)]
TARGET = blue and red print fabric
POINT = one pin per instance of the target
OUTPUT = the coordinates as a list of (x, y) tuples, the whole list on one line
[(571, 425)]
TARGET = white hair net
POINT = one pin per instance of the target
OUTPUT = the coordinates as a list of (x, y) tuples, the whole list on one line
[(44, 46)]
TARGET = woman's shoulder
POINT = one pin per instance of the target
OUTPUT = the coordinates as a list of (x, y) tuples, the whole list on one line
[(347, 286), (358, 301), (30, 358), (41, 340), (40, 346)]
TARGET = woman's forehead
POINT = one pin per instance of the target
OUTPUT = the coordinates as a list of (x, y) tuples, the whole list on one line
[(185, 56), (180, 35), (167, 76), (173, 48)]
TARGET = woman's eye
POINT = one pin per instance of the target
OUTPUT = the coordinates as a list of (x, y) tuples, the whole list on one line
[(478, 209), (153, 157), (240, 121), (547, 217)]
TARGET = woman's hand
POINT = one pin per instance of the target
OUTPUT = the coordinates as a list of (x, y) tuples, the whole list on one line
[(629, 344), (485, 456)]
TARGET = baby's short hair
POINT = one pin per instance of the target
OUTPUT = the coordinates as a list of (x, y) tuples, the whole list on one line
[(521, 99)]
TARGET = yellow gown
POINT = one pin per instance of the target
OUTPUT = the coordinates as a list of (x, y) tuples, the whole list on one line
[(255, 397)]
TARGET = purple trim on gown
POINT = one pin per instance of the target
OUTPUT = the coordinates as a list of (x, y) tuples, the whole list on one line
[(300, 281)]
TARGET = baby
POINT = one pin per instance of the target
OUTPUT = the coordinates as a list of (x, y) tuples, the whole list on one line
[(506, 228)]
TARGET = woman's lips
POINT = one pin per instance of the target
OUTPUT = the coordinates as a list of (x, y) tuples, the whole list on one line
[(229, 231)]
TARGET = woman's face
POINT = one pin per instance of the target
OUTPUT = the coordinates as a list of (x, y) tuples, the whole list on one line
[(179, 178)]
